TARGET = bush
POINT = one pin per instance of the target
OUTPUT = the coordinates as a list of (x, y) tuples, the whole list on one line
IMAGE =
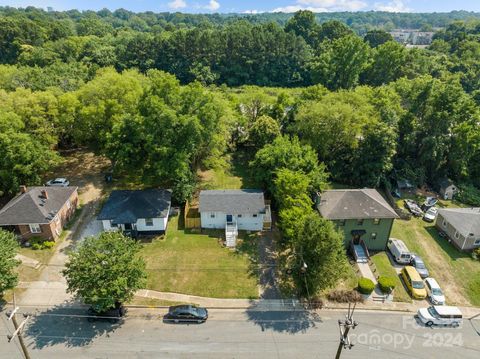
[(345, 296), (476, 253), (386, 284), (38, 243), (365, 286)]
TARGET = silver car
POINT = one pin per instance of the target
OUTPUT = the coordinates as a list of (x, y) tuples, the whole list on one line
[(59, 182), (419, 265)]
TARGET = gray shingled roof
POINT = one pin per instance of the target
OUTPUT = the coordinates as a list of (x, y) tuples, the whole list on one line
[(128, 206), (242, 201), (32, 207), (354, 204), (464, 220)]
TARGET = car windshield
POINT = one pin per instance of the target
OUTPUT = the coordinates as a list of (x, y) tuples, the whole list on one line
[(419, 264), (437, 291), (418, 284), (432, 312)]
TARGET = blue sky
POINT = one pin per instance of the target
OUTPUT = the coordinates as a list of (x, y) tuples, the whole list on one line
[(226, 6)]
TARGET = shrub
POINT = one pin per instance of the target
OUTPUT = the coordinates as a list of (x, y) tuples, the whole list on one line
[(345, 296), (365, 286), (38, 243), (386, 284), (476, 253), (48, 244)]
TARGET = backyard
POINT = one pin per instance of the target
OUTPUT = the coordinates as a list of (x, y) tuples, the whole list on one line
[(196, 263)]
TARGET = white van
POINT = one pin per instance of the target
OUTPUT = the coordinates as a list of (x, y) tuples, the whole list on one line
[(399, 250), (440, 315)]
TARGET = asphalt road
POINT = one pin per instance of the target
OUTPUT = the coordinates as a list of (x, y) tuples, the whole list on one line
[(60, 333)]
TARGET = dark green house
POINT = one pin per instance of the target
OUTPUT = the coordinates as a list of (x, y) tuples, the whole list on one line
[(363, 215)]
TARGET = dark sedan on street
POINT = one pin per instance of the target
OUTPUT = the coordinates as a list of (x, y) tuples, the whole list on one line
[(186, 314)]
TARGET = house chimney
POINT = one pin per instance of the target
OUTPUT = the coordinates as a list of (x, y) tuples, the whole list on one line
[(44, 193), (23, 189)]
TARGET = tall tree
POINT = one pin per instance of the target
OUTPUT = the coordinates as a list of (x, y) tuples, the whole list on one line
[(8, 263), (105, 270), (375, 38), (303, 24), (320, 246), (340, 62)]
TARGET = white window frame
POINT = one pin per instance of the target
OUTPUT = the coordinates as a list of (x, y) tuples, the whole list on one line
[(254, 215), (457, 235), (35, 228), (444, 224), (374, 235), (56, 219), (376, 221), (477, 242), (212, 215), (148, 222)]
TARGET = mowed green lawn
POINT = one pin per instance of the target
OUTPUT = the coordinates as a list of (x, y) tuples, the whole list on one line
[(384, 268), (457, 273), (197, 264)]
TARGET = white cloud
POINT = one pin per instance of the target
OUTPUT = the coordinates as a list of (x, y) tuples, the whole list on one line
[(252, 12), (177, 4), (212, 5), (324, 5), (392, 6)]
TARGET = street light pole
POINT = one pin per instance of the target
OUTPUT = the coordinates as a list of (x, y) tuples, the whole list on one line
[(345, 326)]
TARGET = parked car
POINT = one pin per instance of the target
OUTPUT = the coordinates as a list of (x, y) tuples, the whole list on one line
[(434, 292), (59, 182), (418, 263), (186, 314), (413, 207), (399, 251), (431, 214), (440, 315), (112, 315), (429, 203), (414, 282)]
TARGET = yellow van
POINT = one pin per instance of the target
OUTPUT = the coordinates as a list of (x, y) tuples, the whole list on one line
[(414, 282)]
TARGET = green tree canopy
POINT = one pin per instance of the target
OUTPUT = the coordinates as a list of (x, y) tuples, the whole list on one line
[(105, 270), (8, 263), (263, 131), (320, 246), (377, 37)]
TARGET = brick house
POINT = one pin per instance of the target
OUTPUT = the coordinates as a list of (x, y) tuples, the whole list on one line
[(39, 211)]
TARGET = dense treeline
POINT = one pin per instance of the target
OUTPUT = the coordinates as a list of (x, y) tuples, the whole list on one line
[(155, 102), (65, 49)]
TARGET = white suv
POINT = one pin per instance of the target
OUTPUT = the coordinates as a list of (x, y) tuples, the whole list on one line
[(59, 182), (440, 315), (434, 292)]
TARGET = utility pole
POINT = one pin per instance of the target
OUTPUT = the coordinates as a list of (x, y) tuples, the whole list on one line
[(345, 326), (18, 328)]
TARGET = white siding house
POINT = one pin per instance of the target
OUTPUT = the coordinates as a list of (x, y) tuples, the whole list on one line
[(233, 210), (137, 212)]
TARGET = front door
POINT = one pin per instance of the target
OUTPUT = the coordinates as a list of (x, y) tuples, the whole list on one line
[(229, 218)]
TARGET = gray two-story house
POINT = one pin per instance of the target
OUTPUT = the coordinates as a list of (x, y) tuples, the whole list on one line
[(362, 215)]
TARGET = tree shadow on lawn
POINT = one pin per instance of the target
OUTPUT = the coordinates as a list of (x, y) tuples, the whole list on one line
[(289, 320), (67, 325), (446, 246)]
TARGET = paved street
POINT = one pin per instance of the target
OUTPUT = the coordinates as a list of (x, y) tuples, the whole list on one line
[(58, 333)]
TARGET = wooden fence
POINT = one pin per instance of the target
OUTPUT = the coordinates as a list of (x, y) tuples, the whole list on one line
[(192, 217)]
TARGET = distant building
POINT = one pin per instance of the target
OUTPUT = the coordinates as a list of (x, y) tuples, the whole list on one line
[(462, 226), (412, 37), (447, 189)]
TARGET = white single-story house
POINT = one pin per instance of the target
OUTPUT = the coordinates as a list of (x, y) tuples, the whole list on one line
[(462, 226), (141, 212), (232, 210), (447, 189)]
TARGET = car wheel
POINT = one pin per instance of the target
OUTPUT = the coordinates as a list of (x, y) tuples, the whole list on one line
[(429, 323), (199, 321)]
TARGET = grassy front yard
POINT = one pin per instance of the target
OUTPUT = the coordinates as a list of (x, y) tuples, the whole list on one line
[(196, 264), (457, 273), (384, 268)]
